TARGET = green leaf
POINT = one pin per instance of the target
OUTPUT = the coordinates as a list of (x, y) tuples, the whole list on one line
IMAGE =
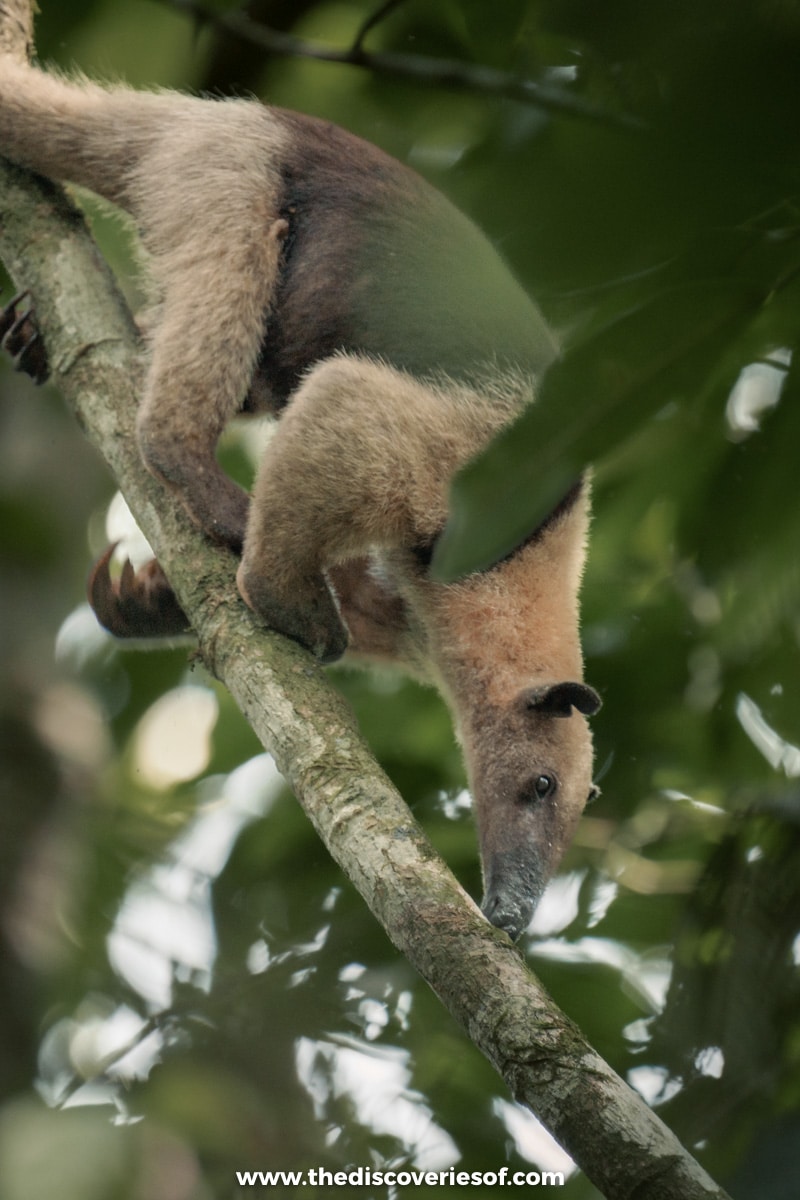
[(592, 399)]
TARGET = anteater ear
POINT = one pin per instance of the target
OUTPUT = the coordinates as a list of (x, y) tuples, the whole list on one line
[(559, 699)]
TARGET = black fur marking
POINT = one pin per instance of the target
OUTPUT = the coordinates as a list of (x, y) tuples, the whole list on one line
[(376, 262)]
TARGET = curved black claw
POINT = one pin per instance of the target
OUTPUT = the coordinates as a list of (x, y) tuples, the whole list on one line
[(140, 604), (20, 338)]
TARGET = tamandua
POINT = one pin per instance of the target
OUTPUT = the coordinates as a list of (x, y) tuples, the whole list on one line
[(299, 270)]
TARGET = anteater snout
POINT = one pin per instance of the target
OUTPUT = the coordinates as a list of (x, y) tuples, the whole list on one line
[(510, 916)]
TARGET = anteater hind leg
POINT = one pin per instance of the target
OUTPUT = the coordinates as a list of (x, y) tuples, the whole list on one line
[(203, 360), (204, 355)]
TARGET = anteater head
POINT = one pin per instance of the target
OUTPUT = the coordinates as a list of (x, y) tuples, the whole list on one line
[(507, 649), (531, 774)]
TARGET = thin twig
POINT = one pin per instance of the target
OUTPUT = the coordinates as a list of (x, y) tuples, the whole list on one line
[(370, 23), (427, 71)]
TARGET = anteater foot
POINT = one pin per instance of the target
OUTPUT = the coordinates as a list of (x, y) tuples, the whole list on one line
[(140, 604), (20, 338)]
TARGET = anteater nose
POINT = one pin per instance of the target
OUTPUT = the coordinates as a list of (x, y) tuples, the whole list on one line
[(506, 914)]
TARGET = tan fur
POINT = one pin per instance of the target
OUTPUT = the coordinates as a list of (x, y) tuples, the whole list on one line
[(373, 450), (376, 450), (493, 636), (299, 269), (162, 157)]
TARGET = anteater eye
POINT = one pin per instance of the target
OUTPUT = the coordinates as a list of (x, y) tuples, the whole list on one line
[(541, 786), (545, 786)]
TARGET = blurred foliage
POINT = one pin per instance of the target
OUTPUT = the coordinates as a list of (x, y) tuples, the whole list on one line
[(188, 987)]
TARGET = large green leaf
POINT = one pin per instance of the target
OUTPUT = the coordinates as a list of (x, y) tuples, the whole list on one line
[(592, 399)]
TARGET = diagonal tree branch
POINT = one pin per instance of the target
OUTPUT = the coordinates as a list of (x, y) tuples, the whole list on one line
[(548, 1066)]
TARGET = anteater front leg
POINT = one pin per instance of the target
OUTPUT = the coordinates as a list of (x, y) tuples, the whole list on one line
[(362, 458)]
